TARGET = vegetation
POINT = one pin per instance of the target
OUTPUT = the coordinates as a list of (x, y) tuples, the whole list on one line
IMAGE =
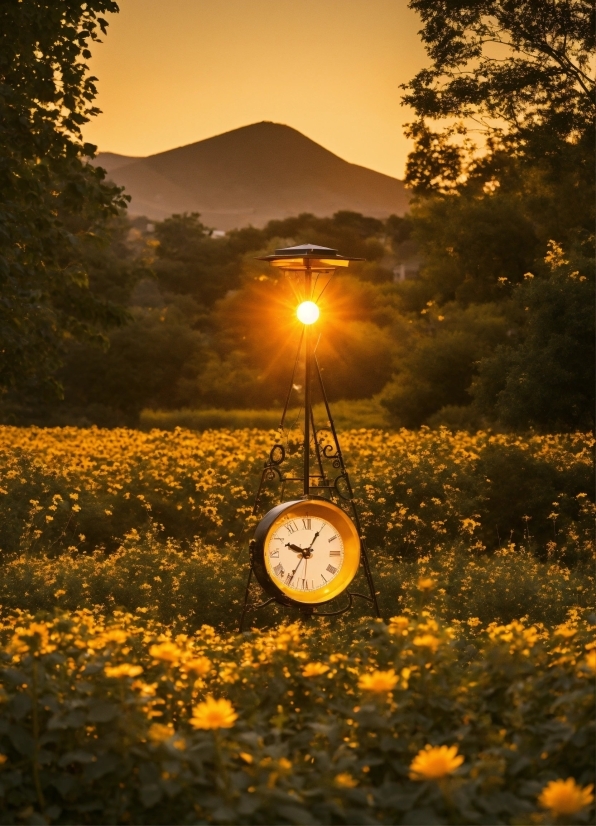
[(518, 73), (128, 696), (54, 207), (116, 719), (502, 178), (503, 170), (358, 413)]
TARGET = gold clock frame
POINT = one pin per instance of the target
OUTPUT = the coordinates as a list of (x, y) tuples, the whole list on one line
[(314, 507)]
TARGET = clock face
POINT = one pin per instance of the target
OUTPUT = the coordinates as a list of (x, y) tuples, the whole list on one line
[(306, 551)]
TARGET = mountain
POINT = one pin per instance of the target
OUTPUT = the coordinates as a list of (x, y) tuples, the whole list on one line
[(250, 176)]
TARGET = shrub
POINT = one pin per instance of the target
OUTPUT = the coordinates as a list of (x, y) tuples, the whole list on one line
[(118, 720), (69, 488)]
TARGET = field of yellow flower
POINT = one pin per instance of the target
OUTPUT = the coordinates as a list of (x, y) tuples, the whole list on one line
[(127, 695)]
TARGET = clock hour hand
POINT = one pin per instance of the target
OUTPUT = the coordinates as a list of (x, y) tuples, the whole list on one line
[(294, 548)]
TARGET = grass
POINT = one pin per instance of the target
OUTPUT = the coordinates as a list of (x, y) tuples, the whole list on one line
[(361, 413)]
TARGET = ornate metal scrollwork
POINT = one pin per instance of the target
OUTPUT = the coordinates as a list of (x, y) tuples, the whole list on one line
[(342, 478), (329, 449), (270, 473), (276, 455)]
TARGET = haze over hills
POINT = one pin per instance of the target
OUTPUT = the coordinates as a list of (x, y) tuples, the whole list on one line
[(250, 176)]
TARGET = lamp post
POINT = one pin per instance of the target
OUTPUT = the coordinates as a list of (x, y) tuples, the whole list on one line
[(292, 523), (311, 266)]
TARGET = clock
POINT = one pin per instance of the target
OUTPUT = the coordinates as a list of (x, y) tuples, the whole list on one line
[(305, 552)]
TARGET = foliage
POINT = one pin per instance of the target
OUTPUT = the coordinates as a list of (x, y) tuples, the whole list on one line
[(71, 489), (503, 167), (116, 719), (547, 379), (152, 361), (436, 359), (187, 583), (54, 206), (120, 704), (519, 69), (219, 299), (471, 243)]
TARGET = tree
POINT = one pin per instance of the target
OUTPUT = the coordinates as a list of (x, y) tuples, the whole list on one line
[(546, 379), (503, 162), (516, 71), (151, 362), (54, 206), (436, 359)]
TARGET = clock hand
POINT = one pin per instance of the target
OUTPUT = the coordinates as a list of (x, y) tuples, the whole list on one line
[(294, 548), (295, 569), (313, 539)]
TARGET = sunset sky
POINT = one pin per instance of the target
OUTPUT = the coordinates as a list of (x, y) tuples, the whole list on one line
[(177, 72)]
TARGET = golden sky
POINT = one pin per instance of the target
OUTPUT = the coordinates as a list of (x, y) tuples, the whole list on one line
[(171, 73)]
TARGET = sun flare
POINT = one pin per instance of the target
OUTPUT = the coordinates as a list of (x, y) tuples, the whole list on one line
[(308, 312)]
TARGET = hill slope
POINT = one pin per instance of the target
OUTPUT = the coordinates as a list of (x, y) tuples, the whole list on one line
[(251, 175)]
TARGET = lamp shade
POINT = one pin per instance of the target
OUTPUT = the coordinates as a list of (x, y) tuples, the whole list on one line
[(307, 257)]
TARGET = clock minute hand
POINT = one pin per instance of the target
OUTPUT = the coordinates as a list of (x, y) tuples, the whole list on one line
[(313, 540), (295, 569)]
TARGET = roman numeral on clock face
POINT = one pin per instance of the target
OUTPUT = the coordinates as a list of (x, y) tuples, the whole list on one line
[(331, 569), (306, 525), (292, 527), (274, 554), (332, 538), (279, 570), (332, 552)]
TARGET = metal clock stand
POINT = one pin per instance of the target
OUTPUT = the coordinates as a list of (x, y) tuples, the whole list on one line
[(328, 477)]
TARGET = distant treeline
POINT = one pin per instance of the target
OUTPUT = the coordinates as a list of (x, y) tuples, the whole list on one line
[(212, 327)]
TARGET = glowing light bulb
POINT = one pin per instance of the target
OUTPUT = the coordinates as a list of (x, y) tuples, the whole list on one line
[(307, 312)]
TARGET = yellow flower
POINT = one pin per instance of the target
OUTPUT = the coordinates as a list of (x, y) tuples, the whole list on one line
[(398, 625), (427, 641), (426, 584), (248, 758), (591, 660), (345, 781), (213, 714), (199, 666), (434, 762), (123, 670), (3, 759), (379, 682), (158, 732), (314, 669), (59, 593), (565, 797), (167, 651), (113, 635), (565, 631)]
